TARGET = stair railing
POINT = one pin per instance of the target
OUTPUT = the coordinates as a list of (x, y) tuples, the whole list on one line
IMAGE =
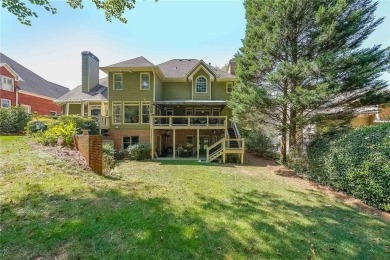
[(213, 146)]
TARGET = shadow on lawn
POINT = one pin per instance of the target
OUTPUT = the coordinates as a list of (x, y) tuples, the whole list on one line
[(111, 224)]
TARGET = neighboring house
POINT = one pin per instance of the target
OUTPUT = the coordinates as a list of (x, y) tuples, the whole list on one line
[(20, 86), (179, 106), (371, 115)]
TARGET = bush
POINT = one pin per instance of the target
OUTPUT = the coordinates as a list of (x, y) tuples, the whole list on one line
[(261, 144), (139, 152), (232, 158), (108, 149), (108, 158), (62, 131), (120, 154), (356, 161), (80, 123), (13, 120)]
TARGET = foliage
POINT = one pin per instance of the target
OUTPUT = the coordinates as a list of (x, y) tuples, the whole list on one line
[(232, 158), (302, 63), (51, 136), (356, 161), (120, 154), (260, 143), (172, 210), (13, 120), (108, 149), (139, 152), (112, 9), (108, 163), (80, 123)]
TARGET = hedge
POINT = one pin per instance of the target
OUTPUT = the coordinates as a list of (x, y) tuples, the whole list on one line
[(13, 120), (356, 161)]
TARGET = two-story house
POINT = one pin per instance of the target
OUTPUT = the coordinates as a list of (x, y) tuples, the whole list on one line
[(179, 106), (20, 86)]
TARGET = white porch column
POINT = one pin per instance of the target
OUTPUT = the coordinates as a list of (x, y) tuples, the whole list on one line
[(174, 143), (197, 144), (82, 109), (67, 109)]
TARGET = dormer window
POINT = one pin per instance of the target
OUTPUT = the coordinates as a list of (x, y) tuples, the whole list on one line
[(145, 81), (201, 85), (118, 81), (229, 87), (7, 83)]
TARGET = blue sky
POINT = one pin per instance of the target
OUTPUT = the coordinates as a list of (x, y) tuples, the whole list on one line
[(208, 30)]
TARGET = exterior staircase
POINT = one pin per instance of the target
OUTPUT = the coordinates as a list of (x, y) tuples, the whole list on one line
[(232, 135)]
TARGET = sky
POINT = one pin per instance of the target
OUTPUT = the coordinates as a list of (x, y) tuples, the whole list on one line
[(208, 30)]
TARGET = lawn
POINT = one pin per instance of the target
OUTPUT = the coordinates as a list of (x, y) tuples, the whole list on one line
[(173, 210)]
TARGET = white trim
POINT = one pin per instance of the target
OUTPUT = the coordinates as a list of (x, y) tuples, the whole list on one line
[(227, 83), (35, 95), (28, 108), (132, 104), (5, 99), (201, 109), (196, 90), (140, 80), (112, 111), (170, 109), (189, 109), (144, 103), (6, 79), (90, 108), (199, 66), (10, 70), (154, 86), (113, 80)]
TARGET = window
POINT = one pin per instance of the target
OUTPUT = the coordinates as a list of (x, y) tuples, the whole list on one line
[(145, 81), (53, 113), (215, 112), (7, 84), (131, 113), (27, 108), (129, 140), (5, 103), (189, 112), (169, 112), (116, 112), (118, 81), (229, 87), (201, 85), (145, 112)]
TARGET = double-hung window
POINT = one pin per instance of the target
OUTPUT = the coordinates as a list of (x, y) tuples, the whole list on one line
[(145, 81), (229, 87), (118, 81), (7, 84), (131, 113), (201, 85), (145, 109), (116, 112)]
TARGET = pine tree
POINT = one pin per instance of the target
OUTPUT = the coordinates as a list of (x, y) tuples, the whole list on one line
[(302, 63)]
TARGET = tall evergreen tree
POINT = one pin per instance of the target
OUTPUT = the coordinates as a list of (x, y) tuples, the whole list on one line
[(302, 63)]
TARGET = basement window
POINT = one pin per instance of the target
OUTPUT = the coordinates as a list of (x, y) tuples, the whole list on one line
[(129, 141)]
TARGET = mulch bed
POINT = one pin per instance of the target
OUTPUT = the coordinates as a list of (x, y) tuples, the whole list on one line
[(70, 155)]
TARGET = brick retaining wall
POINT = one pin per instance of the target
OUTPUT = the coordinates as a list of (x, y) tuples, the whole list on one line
[(91, 148)]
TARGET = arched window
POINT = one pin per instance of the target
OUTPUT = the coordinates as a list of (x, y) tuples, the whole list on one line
[(201, 85)]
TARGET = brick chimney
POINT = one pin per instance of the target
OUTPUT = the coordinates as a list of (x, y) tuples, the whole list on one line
[(232, 67), (89, 71)]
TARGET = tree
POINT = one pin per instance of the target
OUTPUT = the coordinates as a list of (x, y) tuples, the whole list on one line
[(302, 63), (112, 8)]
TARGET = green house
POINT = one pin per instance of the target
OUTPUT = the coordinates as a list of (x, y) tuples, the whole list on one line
[(180, 107)]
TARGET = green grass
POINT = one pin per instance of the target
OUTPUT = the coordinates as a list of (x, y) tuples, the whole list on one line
[(172, 210)]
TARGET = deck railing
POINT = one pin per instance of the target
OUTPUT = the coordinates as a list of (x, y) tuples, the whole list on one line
[(226, 146), (103, 122), (190, 121)]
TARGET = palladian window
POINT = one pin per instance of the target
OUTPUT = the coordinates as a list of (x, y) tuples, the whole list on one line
[(201, 85)]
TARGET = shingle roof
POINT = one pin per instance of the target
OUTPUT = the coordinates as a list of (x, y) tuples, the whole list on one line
[(179, 68), (32, 82), (98, 93), (136, 62)]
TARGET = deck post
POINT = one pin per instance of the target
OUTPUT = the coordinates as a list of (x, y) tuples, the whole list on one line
[(243, 150), (197, 143), (152, 141), (174, 144), (224, 151)]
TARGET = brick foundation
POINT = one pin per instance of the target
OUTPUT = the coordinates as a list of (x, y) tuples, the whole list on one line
[(90, 147), (117, 136)]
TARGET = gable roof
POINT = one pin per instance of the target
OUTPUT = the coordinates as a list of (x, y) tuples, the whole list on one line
[(32, 82), (98, 93), (136, 63), (180, 68), (16, 75)]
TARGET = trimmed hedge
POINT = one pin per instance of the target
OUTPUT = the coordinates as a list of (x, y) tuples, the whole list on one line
[(356, 161), (13, 120)]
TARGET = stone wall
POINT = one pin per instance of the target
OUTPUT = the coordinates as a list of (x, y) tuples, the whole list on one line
[(91, 148)]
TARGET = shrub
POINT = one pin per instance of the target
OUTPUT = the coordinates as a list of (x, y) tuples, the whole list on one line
[(261, 144), (356, 161), (232, 158), (80, 123), (50, 136), (120, 154), (108, 158), (13, 120), (139, 152), (108, 149)]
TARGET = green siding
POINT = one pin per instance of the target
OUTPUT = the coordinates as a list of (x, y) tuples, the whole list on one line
[(131, 92), (177, 91), (159, 89), (74, 109), (218, 91), (201, 96)]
